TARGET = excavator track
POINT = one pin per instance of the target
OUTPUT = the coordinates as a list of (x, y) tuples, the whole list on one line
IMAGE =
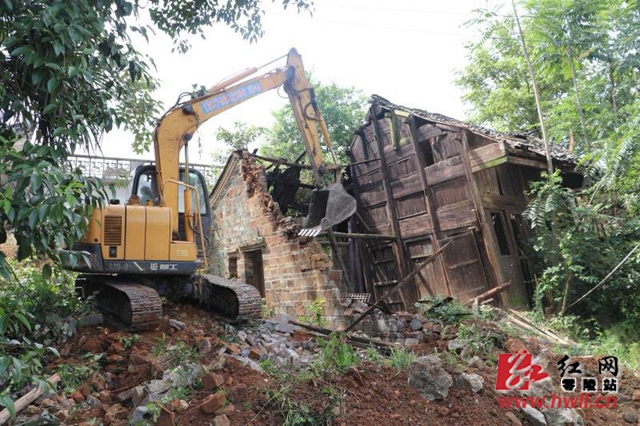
[(232, 300), (136, 306)]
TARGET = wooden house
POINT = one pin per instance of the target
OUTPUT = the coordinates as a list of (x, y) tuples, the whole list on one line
[(430, 181)]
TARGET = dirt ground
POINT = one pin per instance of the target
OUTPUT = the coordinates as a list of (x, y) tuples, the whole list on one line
[(366, 394)]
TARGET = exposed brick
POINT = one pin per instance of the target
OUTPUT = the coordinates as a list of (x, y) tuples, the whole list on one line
[(213, 403)]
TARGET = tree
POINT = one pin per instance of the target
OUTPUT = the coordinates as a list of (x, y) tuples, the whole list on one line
[(69, 73), (342, 109)]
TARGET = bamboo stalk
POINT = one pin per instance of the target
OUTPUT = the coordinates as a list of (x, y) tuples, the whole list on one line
[(27, 399)]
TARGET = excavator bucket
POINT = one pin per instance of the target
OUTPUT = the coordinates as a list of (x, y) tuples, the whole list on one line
[(328, 207)]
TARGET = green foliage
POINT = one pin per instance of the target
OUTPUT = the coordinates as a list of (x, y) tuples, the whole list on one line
[(342, 109), (73, 375), (401, 359), (316, 313), (479, 341), (336, 354), (129, 341), (440, 309)]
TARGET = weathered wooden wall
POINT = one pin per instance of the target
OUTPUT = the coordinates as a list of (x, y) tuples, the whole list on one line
[(429, 184)]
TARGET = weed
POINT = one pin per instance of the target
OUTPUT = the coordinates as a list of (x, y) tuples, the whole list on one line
[(267, 312), (451, 359), (316, 313), (246, 406), (175, 354), (373, 356), (401, 359), (73, 375), (477, 341), (337, 354), (129, 341), (446, 310)]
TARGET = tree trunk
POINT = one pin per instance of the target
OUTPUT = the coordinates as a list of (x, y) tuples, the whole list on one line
[(536, 92)]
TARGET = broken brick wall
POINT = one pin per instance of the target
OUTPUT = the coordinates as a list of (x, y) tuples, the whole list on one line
[(253, 242)]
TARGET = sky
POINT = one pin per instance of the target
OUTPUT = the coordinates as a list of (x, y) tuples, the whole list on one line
[(406, 51)]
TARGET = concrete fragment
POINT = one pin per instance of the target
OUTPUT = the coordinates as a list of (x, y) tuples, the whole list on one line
[(468, 382), (178, 325), (535, 417), (630, 417), (429, 378), (411, 342), (562, 417)]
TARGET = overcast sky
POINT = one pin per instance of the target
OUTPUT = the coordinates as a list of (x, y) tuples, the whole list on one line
[(406, 51)]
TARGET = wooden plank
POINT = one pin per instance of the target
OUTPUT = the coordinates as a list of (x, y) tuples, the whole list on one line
[(451, 192), (482, 158), (444, 171), (500, 202), (519, 161), (415, 226), (405, 187), (457, 216)]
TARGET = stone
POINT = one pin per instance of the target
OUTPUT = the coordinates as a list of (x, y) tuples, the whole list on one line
[(442, 411), (105, 396), (456, 345), (88, 320), (562, 417), (636, 395), (93, 401), (179, 406), (114, 413), (98, 382), (32, 409), (84, 389), (93, 345), (116, 348), (166, 418), (401, 325), (411, 341), (204, 347), (468, 382), (213, 403), (242, 336), (226, 409), (428, 377), (285, 328), (115, 358), (513, 419), (630, 417), (157, 386), (62, 415), (139, 357), (140, 414), (137, 395), (535, 417), (255, 353), (415, 324), (212, 381), (178, 325), (283, 318), (77, 397), (234, 349), (68, 403), (183, 375), (237, 393), (221, 420)]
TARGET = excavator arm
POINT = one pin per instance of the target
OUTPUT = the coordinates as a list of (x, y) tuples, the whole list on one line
[(176, 128)]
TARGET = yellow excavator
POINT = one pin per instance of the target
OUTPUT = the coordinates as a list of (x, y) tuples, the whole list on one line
[(157, 242)]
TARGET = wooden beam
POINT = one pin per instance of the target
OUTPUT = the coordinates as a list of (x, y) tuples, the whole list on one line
[(374, 237), (336, 252), (281, 161), (398, 287), (398, 248), (489, 294), (488, 234)]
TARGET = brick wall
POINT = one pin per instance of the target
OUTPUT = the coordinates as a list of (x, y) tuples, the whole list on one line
[(245, 219)]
